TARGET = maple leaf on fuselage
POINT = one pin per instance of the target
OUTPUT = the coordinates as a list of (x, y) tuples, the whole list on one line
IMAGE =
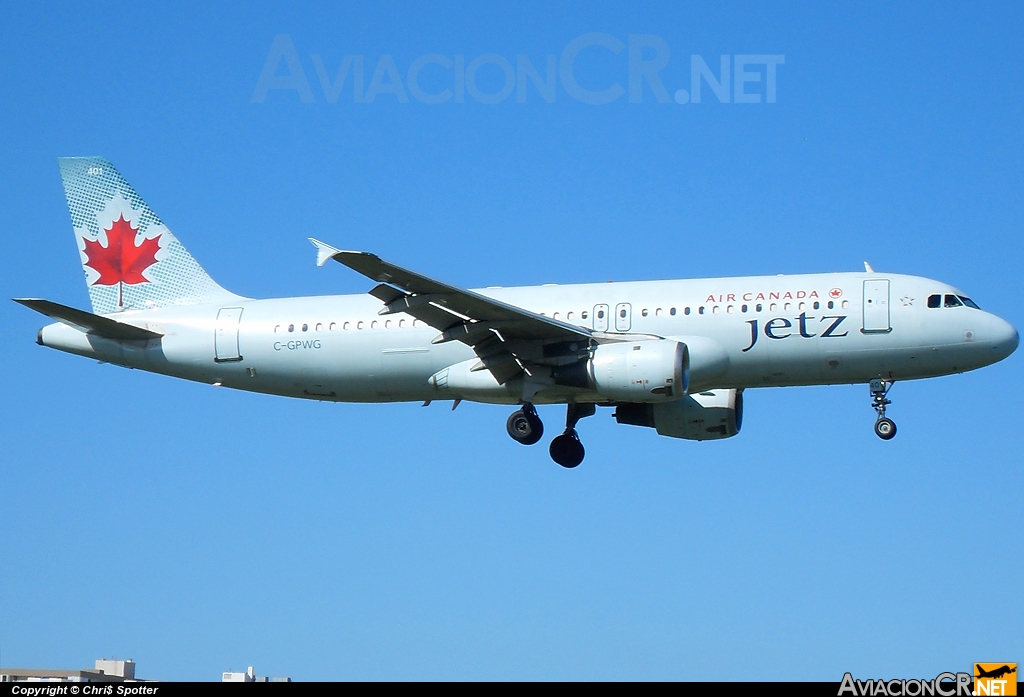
[(121, 261)]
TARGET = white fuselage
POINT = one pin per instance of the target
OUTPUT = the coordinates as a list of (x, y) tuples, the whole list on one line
[(742, 333)]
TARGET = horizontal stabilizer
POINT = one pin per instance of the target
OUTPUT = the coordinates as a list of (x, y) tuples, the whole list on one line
[(88, 322)]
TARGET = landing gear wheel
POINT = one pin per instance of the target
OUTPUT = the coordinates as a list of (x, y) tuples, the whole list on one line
[(525, 426), (567, 450), (885, 428)]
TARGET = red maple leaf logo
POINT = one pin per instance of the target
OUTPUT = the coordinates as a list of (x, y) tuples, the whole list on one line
[(121, 261)]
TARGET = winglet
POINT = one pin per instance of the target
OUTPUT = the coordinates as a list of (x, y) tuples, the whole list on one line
[(867, 267), (324, 252)]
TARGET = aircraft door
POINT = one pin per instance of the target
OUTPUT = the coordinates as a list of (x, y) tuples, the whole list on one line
[(600, 318), (876, 306), (623, 317), (225, 338)]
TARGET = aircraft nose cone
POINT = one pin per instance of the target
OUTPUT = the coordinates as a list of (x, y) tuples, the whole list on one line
[(1004, 338)]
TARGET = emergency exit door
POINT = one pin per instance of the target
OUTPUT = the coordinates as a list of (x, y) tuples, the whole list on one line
[(225, 339), (623, 317), (876, 306)]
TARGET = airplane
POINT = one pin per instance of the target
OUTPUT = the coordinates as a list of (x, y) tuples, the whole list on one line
[(672, 355), (996, 672)]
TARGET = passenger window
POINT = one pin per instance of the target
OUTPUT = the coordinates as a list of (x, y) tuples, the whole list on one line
[(570, 315), (953, 301), (758, 308), (347, 326), (584, 314), (817, 305), (291, 327), (643, 312), (334, 325), (277, 328), (319, 326), (600, 314), (934, 300), (831, 304), (846, 304), (700, 310), (672, 311), (305, 327), (657, 313), (969, 303), (685, 311), (401, 323), (743, 308)]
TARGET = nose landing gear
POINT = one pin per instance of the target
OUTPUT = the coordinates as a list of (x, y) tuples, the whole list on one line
[(885, 428), (566, 449)]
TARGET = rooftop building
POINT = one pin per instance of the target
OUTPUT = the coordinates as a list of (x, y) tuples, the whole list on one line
[(105, 670), (250, 676)]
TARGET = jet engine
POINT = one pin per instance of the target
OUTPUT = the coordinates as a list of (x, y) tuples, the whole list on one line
[(656, 370), (702, 416)]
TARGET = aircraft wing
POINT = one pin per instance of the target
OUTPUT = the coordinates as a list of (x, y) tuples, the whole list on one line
[(507, 338)]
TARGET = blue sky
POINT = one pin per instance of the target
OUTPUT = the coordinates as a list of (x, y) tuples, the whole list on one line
[(199, 530)]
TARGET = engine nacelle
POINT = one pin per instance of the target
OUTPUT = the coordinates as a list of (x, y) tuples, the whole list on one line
[(702, 416), (657, 370)]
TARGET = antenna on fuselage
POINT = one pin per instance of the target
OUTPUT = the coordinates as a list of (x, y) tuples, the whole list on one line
[(867, 267)]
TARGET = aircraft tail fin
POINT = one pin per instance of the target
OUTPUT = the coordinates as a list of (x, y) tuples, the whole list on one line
[(131, 260)]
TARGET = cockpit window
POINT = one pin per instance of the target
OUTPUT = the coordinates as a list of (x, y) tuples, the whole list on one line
[(953, 301), (968, 302), (934, 301)]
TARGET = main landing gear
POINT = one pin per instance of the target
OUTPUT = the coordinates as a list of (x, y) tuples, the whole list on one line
[(566, 449), (885, 428), (525, 426)]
